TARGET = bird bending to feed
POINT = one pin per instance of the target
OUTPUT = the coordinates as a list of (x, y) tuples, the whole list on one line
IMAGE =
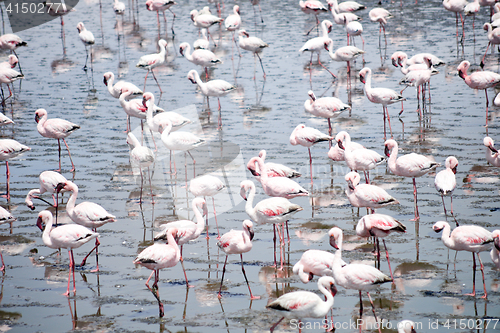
[(142, 157), (481, 80), (366, 195), (305, 304), (157, 256), (161, 6), (273, 169), (204, 21), (379, 226), (87, 39), (380, 15), (445, 181), (7, 76), (150, 61), (237, 242), (187, 230), (492, 155), (207, 186), (337, 154), (115, 89), (48, 183), (354, 276), (410, 165), (55, 128), (470, 238), (68, 236), (212, 88), (314, 262), (87, 214), (5, 217), (254, 45), (325, 107), (9, 149), (314, 7), (200, 57), (307, 137)]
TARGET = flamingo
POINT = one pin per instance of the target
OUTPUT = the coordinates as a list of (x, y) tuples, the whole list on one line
[(457, 7), (278, 186), (380, 15), (9, 149), (4, 120), (200, 57), (305, 304), (5, 217), (257, 3), (379, 226), (212, 88), (237, 242), (445, 181), (471, 9), (135, 107), (158, 256), (346, 6), (314, 7), (161, 5), (345, 53), (273, 169), (406, 326), (151, 61), (337, 154), (325, 107), (204, 20), (87, 214), (183, 141), (493, 159), (470, 238), (55, 128), (418, 78), (402, 58), (382, 96), (202, 43), (358, 159), (479, 80), (268, 211), (207, 186), (307, 137), (187, 230), (118, 7), (48, 183), (354, 276), (495, 251), (115, 89), (315, 45), (353, 29), (68, 236), (493, 38), (254, 45), (410, 165), (12, 42), (87, 39), (496, 16), (7, 76), (233, 23), (314, 262), (141, 156), (366, 195), (342, 18)]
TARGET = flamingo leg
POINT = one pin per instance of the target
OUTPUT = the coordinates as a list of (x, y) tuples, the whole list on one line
[(487, 104), (184, 270), (194, 164), (389, 121), (97, 243), (482, 272), (373, 309), (69, 153), (274, 241), (261, 65), (274, 326), (473, 276), (145, 79), (383, 113), (333, 75), (451, 199), (310, 166), (173, 20), (152, 72), (252, 297), (220, 114), (215, 217), (360, 305), (59, 143), (287, 232), (222, 280), (484, 56), (388, 262), (417, 215), (444, 207), (7, 173), (3, 264)]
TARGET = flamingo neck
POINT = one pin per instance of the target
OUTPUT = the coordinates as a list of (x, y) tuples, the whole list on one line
[(324, 29), (262, 169), (368, 81), (337, 259), (249, 209), (172, 243), (46, 233), (110, 84), (308, 105), (70, 206), (40, 125), (30, 196), (445, 237), (123, 102), (332, 54), (393, 158), (328, 304), (149, 113), (199, 218), (187, 53), (199, 82), (135, 142)]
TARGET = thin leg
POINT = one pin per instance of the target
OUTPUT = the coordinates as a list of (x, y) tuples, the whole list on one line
[(152, 72), (373, 308), (484, 56), (173, 21), (222, 280), (310, 166), (360, 305), (333, 75), (69, 153), (69, 273), (3, 264), (274, 241), (220, 114), (388, 262), (194, 164), (389, 121), (473, 276), (451, 199), (274, 326), (383, 113), (482, 272), (145, 79), (97, 243), (417, 215), (59, 143), (261, 65), (215, 217), (252, 297), (8, 179), (487, 104), (444, 207), (184, 270)]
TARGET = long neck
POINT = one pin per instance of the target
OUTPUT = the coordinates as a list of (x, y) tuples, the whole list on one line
[(337, 258), (198, 80), (41, 122), (368, 81), (187, 53), (110, 84), (199, 218), (324, 29), (332, 54), (163, 51), (149, 113), (445, 236), (46, 233), (172, 243), (135, 142), (328, 304), (249, 209), (122, 99), (70, 206), (262, 170), (393, 157), (30, 195)]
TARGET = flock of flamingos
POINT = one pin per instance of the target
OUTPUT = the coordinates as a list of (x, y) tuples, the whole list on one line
[(275, 179)]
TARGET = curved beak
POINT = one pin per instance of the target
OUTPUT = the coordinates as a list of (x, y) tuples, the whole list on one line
[(341, 146), (105, 81), (39, 223), (387, 152), (37, 117), (333, 243)]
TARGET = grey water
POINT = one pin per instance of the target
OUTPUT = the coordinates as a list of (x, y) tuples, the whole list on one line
[(260, 114)]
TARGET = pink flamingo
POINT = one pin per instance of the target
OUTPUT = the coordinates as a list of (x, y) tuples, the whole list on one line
[(315, 45), (346, 6), (382, 96), (380, 15), (479, 80), (314, 262), (158, 256), (118, 7), (278, 186), (87, 214), (305, 304), (68, 236), (445, 181), (342, 18), (337, 154), (187, 230), (5, 217), (418, 78), (307, 137), (268, 211), (471, 9), (7, 76), (151, 61), (354, 276), (495, 251), (401, 58), (204, 20), (9, 149), (212, 88), (493, 159), (410, 165), (353, 29), (12, 42), (345, 53), (87, 38), (406, 326), (358, 159), (325, 107), (135, 107), (161, 6), (207, 186), (237, 242), (203, 42), (200, 57), (379, 226), (142, 157), (55, 128), (115, 89), (366, 195), (312, 7), (254, 45), (493, 38), (457, 7), (273, 169), (470, 238), (48, 183), (233, 23)]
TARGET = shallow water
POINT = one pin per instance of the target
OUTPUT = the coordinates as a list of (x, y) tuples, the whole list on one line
[(258, 115)]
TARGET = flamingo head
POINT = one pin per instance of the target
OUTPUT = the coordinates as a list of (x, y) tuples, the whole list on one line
[(162, 43), (438, 226), (262, 154), (236, 9), (80, 27), (251, 167), (487, 26), (362, 75), (293, 140), (245, 186), (243, 33), (334, 234), (145, 98), (329, 26), (340, 137), (63, 186), (193, 14), (452, 163), (327, 44), (124, 91), (462, 69), (395, 59), (311, 93), (13, 61), (389, 144), (149, 5), (248, 225), (406, 326), (43, 218), (192, 76), (107, 76), (488, 142), (182, 47), (496, 239), (352, 179), (40, 113)]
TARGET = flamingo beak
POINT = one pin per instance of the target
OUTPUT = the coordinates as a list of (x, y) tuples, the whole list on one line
[(243, 193), (387, 152), (326, 47), (454, 169), (437, 229), (60, 187), (394, 63), (351, 186), (39, 223), (461, 74), (310, 277), (362, 78), (37, 117), (192, 80), (181, 51), (250, 231), (341, 146), (493, 149), (333, 243), (144, 102), (254, 173), (333, 289), (105, 81)]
